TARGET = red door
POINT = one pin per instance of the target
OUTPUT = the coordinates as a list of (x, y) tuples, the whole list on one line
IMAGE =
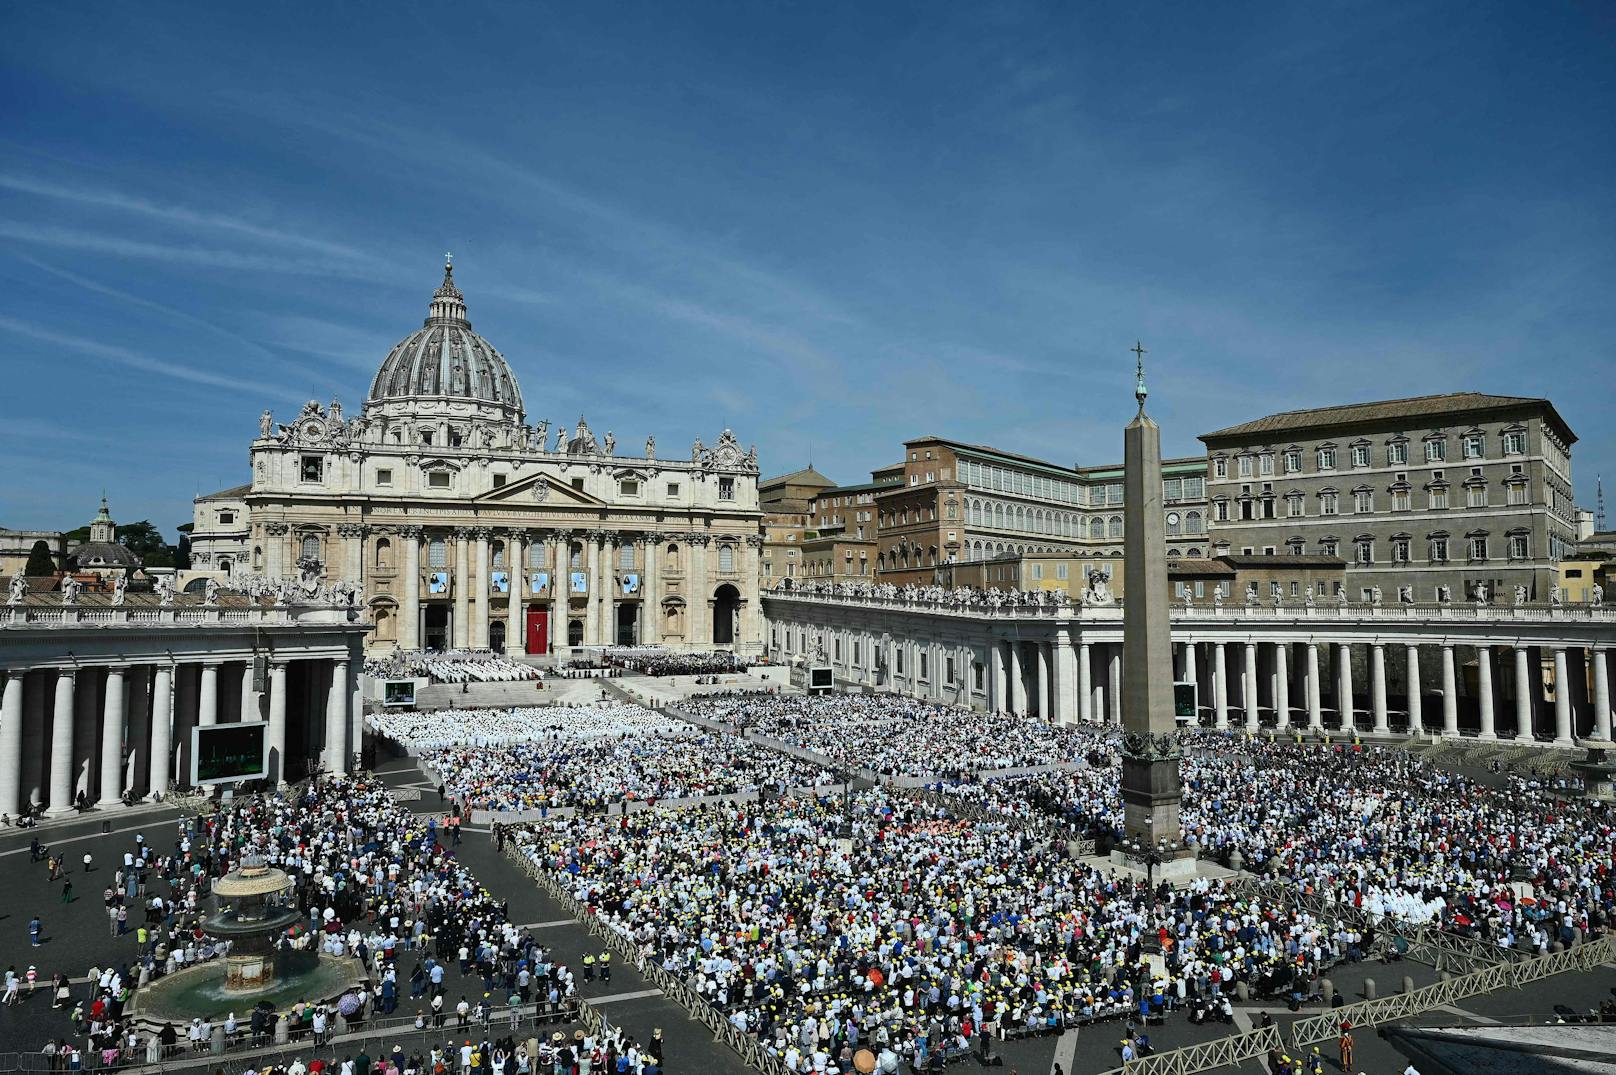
[(538, 630)]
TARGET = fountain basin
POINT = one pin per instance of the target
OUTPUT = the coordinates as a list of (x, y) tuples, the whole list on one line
[(204, 990)]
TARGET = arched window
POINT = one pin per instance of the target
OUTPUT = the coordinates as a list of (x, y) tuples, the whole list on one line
[(998, 516), (384, 625), (384, 554), (726, 558), (224, 565), (258, 558), (1192, 522), (1173, 524), (1114, 527), (311, 547), (671, 560)]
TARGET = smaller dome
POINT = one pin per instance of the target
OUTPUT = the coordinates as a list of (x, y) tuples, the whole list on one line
[(93, 554), (445, 359)]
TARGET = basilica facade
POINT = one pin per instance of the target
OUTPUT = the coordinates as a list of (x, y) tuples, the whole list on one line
[(457, 524)]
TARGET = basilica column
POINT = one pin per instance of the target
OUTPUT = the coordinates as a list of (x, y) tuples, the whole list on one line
[(207, 707), (1450, 694), (1114, 685), (409, 589), (277, 722), (699, 591), (275, 565), (1484, 690), (480, 587), (460, 634), (650, 596), (1343, 672), (1249, 689), (1282, 685), (162, 716), (336, 719), (1411, 692), (609, 595), (516, 571), (1220, 685), (751, 593), (1377, 687), (560, 588), (1085, 683), (1601, 729), (1562, 699), (61, 757), (1524, 691), (353, 547), (1315, 709), (112, 714), (11, 742), (592, 542)]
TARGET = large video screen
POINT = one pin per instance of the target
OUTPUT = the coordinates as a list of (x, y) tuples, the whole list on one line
[(398, 692), (821, 677), (226, 753)]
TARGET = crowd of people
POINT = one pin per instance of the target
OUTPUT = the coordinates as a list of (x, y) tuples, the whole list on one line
[(894, 735), (599, 766), (451, 666), (500, 726)]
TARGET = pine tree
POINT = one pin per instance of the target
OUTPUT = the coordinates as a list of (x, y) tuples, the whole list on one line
[(41, 564)]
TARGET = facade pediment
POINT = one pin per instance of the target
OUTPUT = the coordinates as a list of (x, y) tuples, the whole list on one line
[(541, 488)]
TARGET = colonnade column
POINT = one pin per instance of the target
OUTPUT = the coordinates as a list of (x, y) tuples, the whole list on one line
[(277, 722), (1249, 688), (409, 597), (1562, 699), (1343, 686), (1315, 710), (1018, 682), (112, 714), (1524, 690), (336, 719), (1041, 679), (1220, 686), (1450, 694), (1282, 685), (1065, 679), (207, 706), (460, 631), (162, 715), (996, 674), (1484, 688), (1113, 686), (61, 759), (1411, 692), (1601, 728), (11, 742), (249, 697), (1377, 687), (516, 573), (481, 586), (1085, 683)]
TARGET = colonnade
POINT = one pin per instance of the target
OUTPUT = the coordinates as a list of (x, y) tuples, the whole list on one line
[(88, 734)]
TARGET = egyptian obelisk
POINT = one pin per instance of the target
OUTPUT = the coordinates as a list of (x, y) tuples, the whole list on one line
[(1151, 787)]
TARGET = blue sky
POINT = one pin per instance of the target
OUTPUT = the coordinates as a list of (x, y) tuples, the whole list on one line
[(828, 226)]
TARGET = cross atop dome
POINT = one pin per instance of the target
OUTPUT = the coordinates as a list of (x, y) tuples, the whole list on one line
[(448, 304)]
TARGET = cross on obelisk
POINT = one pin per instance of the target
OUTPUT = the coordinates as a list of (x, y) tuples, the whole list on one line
[(1151, 784)]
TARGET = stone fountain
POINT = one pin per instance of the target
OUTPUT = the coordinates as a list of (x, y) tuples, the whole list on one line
[(252, 915)]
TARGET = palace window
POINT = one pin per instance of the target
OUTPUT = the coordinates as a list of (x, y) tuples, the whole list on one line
[(1326, 458), (1400, 500), (1478, 546), (1363, 501), (1329, 547), (1519, 493), (1515, 442), (1244, 463), (1439, 550), (1397, 453), (1220, 467), (1192, 522), (1365, 550), (1438, 498), (1474, 447), (1293, 460), (1329, 503), (1174, 526), (1476, 496), (1360, 455), (1436, 450), (1520, 547), (1401, 552), (1265, 463)]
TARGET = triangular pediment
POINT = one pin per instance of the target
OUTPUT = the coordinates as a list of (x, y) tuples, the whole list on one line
[(540, 489)]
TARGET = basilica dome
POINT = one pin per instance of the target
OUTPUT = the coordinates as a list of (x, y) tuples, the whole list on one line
[(444, 361)]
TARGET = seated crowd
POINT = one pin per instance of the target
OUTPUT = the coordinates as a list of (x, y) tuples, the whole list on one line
[(517, 724), (453, 666)]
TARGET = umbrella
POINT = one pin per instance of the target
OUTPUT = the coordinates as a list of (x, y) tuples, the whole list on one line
[(348, 1003)]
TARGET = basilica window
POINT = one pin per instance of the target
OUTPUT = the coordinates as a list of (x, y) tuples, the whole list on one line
[(384, 554), (671, 560), (726, 488), (311, 468), (437, 553), (629, 487), (497, 555), (535, 555), (673, 488), (726, 558), (310, 547), (384, 477), (625, 557), (575, 557), (438, 479), (258, 558)]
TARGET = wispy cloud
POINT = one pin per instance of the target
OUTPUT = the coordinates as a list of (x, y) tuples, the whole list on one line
[(135, 360), (201, 257)]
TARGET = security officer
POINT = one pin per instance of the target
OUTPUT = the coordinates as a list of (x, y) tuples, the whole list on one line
[(589, 967), (606, 965)]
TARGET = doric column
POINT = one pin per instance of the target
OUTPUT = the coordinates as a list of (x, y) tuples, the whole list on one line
[(61, 759), (480, 589), (1377, 686), (207, 706), (1282, 685), (1191, 670), (1315, 708), (1018, 681), (1220, 685), (1113, 685), (1484, 689), (1562, 699), (136, 750), (277, 722), (112, 714), (1450, 693), (249, 697), (11, 742), (1343, 673), (409, 587), (36, 729), (1524, 691), (356, 702), (86, 744), (1085, 683), (1041, 649), (336, 719), (460, 633), (1065, 676), (592, 542), (516, 572), (1601, 659), (1411, 692), (162, 717), (1249, 689)]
